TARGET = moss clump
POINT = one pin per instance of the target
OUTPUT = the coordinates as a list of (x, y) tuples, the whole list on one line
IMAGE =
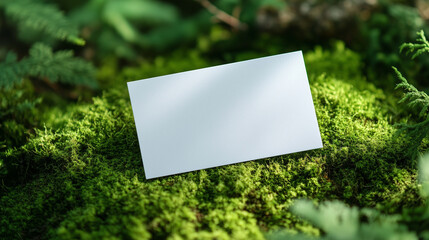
[(86, 180), (363, 158)]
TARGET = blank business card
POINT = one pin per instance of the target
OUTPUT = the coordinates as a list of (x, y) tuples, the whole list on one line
[(224, 114)]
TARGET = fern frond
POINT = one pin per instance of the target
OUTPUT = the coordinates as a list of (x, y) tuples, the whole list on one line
[(420, 101), (42, 62), (422, 46), (414, 97), (11, 71), (415, 134), (338, 221), (42, 17), (60, 66)]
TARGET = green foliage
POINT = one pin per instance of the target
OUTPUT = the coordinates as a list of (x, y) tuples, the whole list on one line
[(42, 63), (129, 27), (11, 72), (391, 24), (418, 48), (417, 100), (338, 221), (60, 66), (45, 22), (416, 132), (121, 15), (41, 25), (122, 27), (388, 27), (31, 15)]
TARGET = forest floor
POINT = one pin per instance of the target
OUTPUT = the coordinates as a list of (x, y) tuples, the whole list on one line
[(81, 177)]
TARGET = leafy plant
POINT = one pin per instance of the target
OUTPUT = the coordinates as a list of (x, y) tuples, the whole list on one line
[(41, 25), (39, 17), (127, 27), (418, 48), (115, 25), (416, 99), (18, 105), (48, 22), (43, 63), (389, 25), (340, 222)]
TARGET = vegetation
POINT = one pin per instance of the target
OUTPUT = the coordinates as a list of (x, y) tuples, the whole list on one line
[(416, 99), (338, 221), (70, 166)]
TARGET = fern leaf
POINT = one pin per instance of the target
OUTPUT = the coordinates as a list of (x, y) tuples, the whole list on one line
[(60, 66), (419, 100), (41, 17), (11, 72), (416, 98), (422, 46), (335, 218), (42, 62), (340, 222)]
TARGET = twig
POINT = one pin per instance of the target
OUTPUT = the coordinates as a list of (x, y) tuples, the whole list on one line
[(222, 16)]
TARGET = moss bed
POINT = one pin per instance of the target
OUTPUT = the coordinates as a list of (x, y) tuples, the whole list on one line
[(81, 177)]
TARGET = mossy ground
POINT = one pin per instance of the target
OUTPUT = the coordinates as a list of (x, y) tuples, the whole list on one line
[(82, 177)]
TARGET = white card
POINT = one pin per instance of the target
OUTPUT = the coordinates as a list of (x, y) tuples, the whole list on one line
[(224, 114)]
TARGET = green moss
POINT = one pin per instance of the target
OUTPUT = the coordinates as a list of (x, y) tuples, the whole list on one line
[(365, 160), (86, 179), (339, 62)]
